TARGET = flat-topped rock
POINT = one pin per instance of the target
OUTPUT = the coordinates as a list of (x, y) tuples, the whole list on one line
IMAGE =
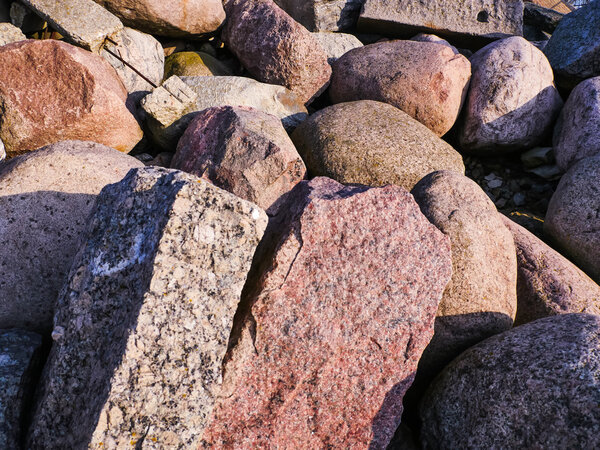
[(323, 15)]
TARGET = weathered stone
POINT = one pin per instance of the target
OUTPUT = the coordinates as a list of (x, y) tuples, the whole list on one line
[(231, 91), (194, 64), (275, 48), (82, 22), (572, 217), (323, 15), (577, 134), (340, 306), (336, 44), (167, 103), (465, 21), (544, 19), (9, 33), (78, 96), (425, 80), (164, 263), (535, 386), (556, 5), (45, 199), (242, 150), (24, 18), (20, 358), (423, 37), (512, 102), (372, 143), (173, 18)]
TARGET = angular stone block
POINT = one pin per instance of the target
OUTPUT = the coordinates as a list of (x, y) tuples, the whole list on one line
[(168, 102), (323, 15)]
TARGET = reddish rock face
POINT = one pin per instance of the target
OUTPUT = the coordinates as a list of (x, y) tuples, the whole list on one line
[(275, 48), (333, 321), (51, 91)]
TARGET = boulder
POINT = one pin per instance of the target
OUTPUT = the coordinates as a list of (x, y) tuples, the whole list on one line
[(323, 15), (372, 143), (194, 64), (77, 95), (275, 48), (542, 18), (163, 264), (45, 199), (535, 386), (242, 150), (338, 307), (548, 283), (336, 44), (577, 134), (572, 217), (424, 37), (425, 80), (9, 33), (512, 102)]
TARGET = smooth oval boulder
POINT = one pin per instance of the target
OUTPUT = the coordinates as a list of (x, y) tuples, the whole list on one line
[(372, 143), (577, 134), (242, 150), (194, 64), (275, 48), (573, 212), (427, 81), (77, 95), (512, 102), (45, 198), (535, 386)]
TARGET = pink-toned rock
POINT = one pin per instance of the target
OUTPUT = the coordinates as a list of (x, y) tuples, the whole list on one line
[(242, 150), (51, 91), (275, 48), (335, 320), (426, 80), (547, 282)]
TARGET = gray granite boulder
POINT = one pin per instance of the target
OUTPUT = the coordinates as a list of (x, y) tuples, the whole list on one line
[(323, 15), (535, 386), (144, 319), (336, 44), (9, 33)]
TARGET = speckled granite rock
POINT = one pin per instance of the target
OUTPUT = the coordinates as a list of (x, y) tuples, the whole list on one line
[(336, 44), (535, 386), (242, 150), (9, 33), (548, 283), (20, 357), (323, 15), (144, 319), (335, 319)]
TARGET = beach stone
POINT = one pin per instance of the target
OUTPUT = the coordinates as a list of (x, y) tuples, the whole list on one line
[(512, 102), (423, 37), (542, 18), (242, 150), (9, 33), (323, 15), (338, 308), (548, 283), (52, 191), (176, 18), (276, 49), (560, 6), (574, 48), (338, 142), (230, 91), (336, 44), (474, 22), (537, 385), (20, 358), (577, 134), (167, 103), (164, 261), (425, 80), (194, 64), (79, 96), (572, 217)]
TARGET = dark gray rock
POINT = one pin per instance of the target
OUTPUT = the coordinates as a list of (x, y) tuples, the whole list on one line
[(323, 15), (544, 19)]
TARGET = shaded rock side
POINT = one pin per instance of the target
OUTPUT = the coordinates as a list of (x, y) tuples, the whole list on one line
[(339, 307), (323, 15), (145, 316)]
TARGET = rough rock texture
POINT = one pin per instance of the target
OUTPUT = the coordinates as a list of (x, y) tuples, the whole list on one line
[(424, 37), (51, 91), (242, 150), (548, 283), (480, 299), (9, 33), (336, 44), (45, 199), (372, 143), (2, 152), (572, 217), (535, 386), (467, 21), (323, 15), (577, 134), (574, 48), (425, 80), (512, 102), (194, 64), (164, 264), (231, 91), (173, 18), (334, 321), (275, 48), (20, 356), (167, 103)]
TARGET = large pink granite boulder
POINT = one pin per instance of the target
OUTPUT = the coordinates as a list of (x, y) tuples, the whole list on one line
[(339, 308), (275, 48), (426, 80)]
